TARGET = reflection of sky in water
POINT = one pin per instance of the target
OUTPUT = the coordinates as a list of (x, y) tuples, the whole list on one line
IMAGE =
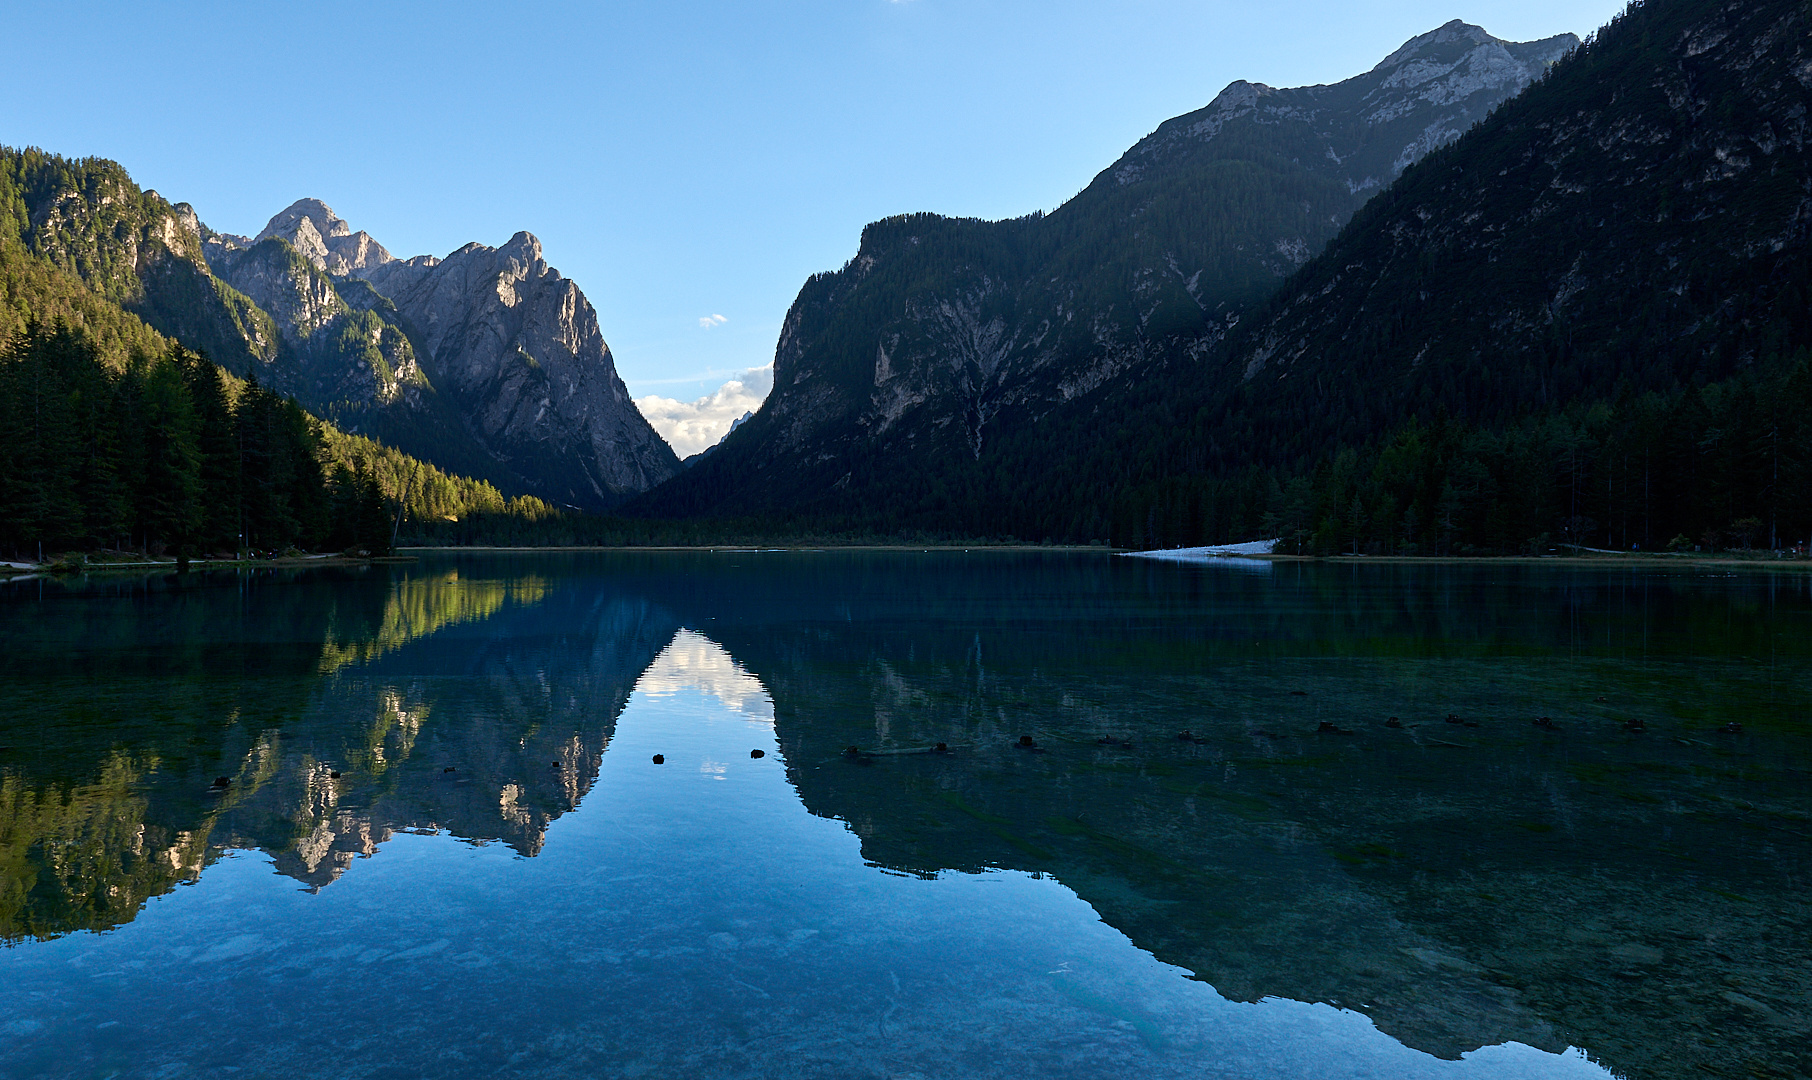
[(671, 927), (694, 662)]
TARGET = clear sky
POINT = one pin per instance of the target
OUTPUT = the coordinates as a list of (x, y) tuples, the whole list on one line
[(689, 164)]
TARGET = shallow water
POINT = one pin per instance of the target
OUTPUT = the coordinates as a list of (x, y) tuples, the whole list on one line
[(499, 880)]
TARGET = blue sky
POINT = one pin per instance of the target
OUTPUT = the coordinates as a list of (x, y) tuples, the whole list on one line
[(678, 160)]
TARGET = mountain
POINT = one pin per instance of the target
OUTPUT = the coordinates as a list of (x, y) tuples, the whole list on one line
[(1583, 321), (488, 363), (1640, 219), (941, 334), (113, 435), (1588, 319), (488, 357)]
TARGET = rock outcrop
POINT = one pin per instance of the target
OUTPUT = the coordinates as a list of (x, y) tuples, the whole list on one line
[(519, 348), (321, 237), (488, 364)]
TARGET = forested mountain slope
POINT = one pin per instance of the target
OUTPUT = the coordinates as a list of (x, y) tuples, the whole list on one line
[(504, 375), (1639, 220), (1623, 248), (943, 335), (113, 436), (1587, 319)]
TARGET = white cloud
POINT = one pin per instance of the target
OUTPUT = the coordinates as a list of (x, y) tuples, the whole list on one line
[(691, 426), (711, 322)]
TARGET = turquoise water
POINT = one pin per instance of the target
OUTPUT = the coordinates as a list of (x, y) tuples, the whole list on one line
[(406, 821)]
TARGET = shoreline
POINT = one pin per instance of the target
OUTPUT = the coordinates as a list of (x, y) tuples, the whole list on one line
[(409, 554), (15, 570), (1646, 559), (763, 549), (1643, 559)]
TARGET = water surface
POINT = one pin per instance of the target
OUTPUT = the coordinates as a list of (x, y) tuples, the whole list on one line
[(441, 846)]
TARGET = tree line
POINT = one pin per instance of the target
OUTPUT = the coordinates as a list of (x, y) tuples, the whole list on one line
[(162, 454), (1724, 466)]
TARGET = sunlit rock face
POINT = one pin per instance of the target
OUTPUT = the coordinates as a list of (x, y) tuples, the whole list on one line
[(320, 236), (943, 338), (488, 362), (518, 347)]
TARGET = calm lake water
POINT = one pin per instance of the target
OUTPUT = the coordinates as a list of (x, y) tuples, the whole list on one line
[(405, 821)]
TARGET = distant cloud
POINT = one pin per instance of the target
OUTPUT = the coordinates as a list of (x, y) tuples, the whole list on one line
[(711, 322), (691, 426)]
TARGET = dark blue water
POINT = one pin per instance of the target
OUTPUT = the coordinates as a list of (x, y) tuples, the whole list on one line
[(405, 821)]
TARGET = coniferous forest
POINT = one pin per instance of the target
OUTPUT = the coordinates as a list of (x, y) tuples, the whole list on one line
[(113, 437), (161, 456)]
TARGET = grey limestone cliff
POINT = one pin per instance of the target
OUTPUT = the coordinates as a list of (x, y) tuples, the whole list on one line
[(488, 362), (519, 347)]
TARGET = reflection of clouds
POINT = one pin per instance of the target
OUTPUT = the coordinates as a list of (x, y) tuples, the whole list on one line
[(693, 661)]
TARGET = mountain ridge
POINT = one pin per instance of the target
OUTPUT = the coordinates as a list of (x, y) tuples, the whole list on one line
[(942, 334), (294, 305)]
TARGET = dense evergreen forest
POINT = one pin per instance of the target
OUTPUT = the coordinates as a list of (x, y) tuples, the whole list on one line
[(114, 437), (1587, 322), (160, 456), (1693, 469)]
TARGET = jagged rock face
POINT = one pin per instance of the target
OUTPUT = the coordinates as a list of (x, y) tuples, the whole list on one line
[(518, 346), (271, 276), (529, 397), (346, 360), (943, 335), (1419, 98), (321, 237), (488, 363)]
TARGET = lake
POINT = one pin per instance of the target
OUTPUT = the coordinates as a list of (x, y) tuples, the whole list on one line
[(1236, 819)]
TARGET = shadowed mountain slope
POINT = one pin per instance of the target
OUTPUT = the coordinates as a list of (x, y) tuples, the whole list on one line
[(944, 336)]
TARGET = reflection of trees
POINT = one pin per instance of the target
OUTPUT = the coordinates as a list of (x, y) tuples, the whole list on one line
[(1298, 865), (418, 606), (1494, 887), (126, 714), (84, 857)]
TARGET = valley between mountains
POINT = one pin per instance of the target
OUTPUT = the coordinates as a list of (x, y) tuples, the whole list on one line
[(1487, 297)]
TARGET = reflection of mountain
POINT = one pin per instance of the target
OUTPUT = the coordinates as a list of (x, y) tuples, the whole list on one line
[(338, 713), (1460, 885), (488, 737)]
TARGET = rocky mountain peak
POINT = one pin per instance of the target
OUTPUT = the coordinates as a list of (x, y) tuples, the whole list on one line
[(944, 337), (1455, 31), (518, 348), (1420, 97), (186, 214), (524, 250), (325, 239), (320, 216)]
